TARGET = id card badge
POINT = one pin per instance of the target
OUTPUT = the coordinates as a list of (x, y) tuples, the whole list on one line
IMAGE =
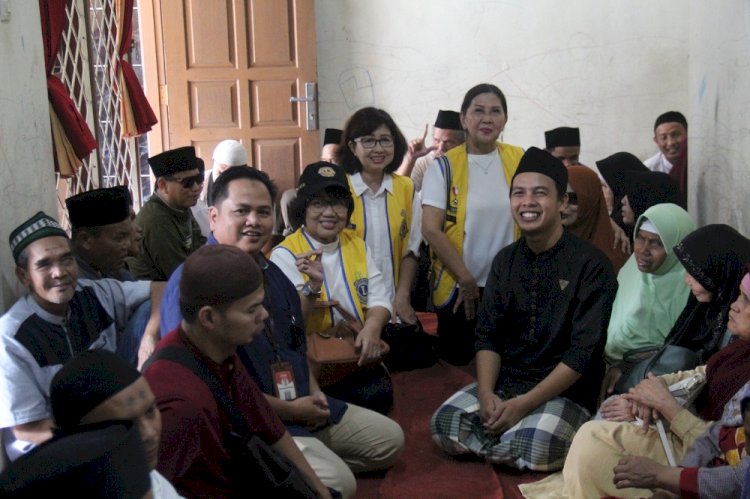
[(283, 380)]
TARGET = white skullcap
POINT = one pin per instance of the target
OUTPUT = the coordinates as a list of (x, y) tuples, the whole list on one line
[(230, 153), (648, 226)]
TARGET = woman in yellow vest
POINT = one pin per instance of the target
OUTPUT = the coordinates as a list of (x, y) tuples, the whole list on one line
[(387, 213), (327, 263), (466, 217)]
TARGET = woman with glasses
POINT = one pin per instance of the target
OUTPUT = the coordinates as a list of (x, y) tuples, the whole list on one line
[(586, 216), (329, 264), (387, 213), (466, 217)]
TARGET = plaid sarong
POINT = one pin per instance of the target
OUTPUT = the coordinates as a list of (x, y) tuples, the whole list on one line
[(539, 442)]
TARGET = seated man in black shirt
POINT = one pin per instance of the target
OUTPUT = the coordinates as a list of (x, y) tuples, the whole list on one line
[(540, 333)]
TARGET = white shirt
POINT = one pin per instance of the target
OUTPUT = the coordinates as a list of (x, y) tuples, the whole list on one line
[(420, 167), (658, 163), (334, 281), (161, 487), (377, 233), (489, 224), (200, 213)]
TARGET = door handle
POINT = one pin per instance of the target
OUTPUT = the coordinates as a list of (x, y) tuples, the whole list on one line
[(311, 104)]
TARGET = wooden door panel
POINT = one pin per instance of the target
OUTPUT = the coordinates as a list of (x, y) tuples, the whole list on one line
[(275, 155), (213, 21), (222, 113), (270, 43), (270, 103), (230, 68)]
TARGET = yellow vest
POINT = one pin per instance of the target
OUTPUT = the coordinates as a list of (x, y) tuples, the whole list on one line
[(455, 168), (353, 261), (398, 208)]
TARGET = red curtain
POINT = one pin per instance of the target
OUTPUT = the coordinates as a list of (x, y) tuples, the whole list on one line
[(135, 111), (73, 134)]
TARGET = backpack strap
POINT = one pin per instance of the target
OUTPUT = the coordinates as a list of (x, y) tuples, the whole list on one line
[(445, 167)]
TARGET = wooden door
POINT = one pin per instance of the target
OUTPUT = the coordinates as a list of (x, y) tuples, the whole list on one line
[(229, 70)]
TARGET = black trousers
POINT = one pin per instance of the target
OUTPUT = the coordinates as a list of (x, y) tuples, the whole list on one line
[(456, 334)]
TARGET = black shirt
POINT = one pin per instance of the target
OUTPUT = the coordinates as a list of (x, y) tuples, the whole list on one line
[(542, 309)]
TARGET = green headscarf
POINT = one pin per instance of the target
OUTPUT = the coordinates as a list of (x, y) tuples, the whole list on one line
[(647, 305)]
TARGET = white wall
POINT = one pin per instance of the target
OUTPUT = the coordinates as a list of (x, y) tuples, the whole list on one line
[(719, 106), (27, 182), (608, 67)]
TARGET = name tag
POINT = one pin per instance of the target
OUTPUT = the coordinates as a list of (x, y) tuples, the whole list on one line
[(283, 380)]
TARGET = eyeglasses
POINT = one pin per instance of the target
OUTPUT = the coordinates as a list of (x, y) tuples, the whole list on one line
[(319, 205), (188, 182), (369, 142), (572, 198)]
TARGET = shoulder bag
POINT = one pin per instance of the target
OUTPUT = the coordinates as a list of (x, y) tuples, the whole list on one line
[(256, 466), (332, 349)]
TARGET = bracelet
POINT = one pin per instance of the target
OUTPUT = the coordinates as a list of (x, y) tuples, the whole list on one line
[(309, 292)]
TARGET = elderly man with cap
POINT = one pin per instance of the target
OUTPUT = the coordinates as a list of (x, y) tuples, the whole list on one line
[(540, 335), (227, 153), (101, 232), (98, 386), (170, 231), (221, 302), (447, 133), (564, 143), (308, 413), (331, 141), (61, 317)]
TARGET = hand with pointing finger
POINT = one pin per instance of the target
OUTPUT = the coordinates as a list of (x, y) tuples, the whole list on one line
[(417, 147)]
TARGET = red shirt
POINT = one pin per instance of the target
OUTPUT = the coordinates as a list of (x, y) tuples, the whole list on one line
[(193, 455)]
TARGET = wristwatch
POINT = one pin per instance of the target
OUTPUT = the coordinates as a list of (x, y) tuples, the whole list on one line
[(309, 292)]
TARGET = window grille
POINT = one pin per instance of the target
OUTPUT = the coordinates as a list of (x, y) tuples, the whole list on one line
[(86, 67)]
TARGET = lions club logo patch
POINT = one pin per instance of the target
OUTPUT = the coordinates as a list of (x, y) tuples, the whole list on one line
[(361, 286), (326, 171)]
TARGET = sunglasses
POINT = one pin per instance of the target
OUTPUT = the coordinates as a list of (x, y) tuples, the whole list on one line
[(572, 198), (188, 182)]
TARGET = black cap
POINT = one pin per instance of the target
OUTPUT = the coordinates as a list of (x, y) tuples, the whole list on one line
[(86, 381), (101, 460), (332, 136), (564, 136), (99, 207), (537, 160), (318, 176), (448, 120), (173, 161)]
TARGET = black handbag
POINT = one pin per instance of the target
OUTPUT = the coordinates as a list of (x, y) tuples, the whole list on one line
[(411, 347), (255, 465), (665, 360)]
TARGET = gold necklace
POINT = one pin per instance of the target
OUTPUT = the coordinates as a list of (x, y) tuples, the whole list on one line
[(482, 165)]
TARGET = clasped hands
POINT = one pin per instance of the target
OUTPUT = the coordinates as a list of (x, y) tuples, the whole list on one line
[(498, 415), (645, 401)]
